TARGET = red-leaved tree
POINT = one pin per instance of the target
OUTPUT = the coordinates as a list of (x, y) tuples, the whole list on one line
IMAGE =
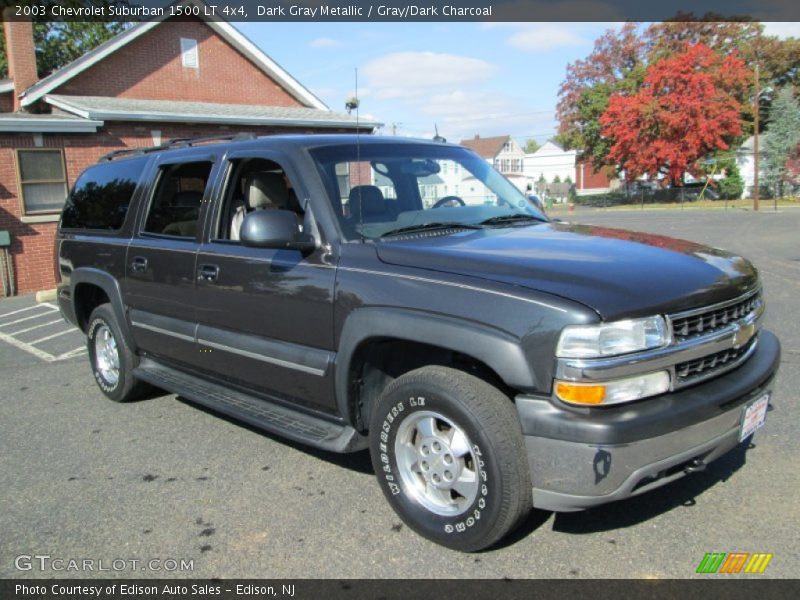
[(793, 167), (688, 106)]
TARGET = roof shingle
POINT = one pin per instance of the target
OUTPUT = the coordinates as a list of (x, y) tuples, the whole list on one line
[(488, 147), (124, 109)]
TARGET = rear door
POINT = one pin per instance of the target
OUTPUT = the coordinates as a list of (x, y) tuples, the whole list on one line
[(160, 267), (265, 316)]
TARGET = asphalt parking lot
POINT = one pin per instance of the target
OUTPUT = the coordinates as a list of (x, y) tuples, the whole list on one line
[(84, 478)]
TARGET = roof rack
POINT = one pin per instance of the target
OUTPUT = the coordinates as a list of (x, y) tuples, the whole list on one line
[(183, 142)]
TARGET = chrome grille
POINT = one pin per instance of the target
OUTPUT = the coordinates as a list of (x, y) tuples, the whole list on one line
[(708, 366), (704, 321)]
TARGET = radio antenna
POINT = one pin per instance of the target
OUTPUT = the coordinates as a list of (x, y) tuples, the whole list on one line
[(358, 162)]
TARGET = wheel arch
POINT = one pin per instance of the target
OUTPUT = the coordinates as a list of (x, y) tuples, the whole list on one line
[(89, 286), (497, 354)]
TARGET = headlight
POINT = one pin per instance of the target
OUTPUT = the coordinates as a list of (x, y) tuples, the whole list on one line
[(612, 339), (613, 392)]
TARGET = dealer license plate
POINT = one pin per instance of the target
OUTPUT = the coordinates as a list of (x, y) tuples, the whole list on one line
[(754, 416)]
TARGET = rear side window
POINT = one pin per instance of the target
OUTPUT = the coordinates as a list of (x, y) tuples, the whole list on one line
[(175, 208), (102, 194)]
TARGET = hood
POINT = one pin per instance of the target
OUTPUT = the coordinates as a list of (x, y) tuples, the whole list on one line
[(618, 273)]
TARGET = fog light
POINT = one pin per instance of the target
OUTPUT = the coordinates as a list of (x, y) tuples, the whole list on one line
[(613, 392)]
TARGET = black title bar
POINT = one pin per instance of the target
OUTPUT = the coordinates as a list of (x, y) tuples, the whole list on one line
[(403, 10)]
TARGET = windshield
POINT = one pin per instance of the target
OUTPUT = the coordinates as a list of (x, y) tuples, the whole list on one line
[(382, 190)]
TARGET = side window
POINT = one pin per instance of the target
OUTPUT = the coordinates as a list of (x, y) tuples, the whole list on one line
[(102, 194), (175, 208), (254, 184)]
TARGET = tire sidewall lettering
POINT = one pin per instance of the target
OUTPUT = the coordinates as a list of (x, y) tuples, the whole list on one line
[(455, 525), (101, 382)]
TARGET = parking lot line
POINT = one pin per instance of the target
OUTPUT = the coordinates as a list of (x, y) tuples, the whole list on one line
[(31, 320), (71, 353), (27, 318), (19, 310), (37, 326), (45, 356), (50, 337)]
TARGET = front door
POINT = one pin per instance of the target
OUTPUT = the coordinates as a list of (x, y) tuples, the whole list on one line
[(265, 316)]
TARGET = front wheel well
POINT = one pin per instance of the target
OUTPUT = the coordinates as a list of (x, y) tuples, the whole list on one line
[(378, 362), (87, 297)]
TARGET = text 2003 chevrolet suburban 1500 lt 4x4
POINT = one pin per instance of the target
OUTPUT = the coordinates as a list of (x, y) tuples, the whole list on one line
[(403, 296)]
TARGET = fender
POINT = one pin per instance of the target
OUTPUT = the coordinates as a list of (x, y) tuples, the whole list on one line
[(109, 284), (498, 349)]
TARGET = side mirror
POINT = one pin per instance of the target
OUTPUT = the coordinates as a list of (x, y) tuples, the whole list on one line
[(272, 228)]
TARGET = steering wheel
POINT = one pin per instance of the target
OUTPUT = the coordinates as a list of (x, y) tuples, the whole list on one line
[(449, 201)]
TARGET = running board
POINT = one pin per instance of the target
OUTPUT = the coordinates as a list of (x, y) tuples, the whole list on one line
[(263, 414)]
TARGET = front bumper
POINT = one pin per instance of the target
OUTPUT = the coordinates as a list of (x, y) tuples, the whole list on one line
[(583, 458)]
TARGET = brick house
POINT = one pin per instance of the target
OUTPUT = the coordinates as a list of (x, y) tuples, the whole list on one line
[(589, 180), (155, 81)]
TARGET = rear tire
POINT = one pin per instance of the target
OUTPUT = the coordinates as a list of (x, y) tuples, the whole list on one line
[(111, 358), (449, 455)]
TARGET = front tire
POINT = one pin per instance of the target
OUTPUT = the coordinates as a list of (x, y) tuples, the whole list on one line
[(112, 360), (449, 455)]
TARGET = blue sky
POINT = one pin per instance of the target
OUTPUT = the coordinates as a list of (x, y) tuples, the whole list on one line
[(468, 78)]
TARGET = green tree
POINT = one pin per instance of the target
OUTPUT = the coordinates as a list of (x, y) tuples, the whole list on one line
[(556, 179), (783, 138), (531, 146), (731, 186), (58, 44)]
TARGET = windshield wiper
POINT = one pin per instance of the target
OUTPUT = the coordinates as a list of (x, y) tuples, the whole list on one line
[(434, 225), (516, 217)]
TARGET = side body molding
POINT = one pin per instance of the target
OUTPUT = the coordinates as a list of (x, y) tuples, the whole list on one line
[(498, 349)]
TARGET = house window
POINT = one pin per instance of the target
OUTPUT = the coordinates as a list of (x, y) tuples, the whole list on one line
[(42, 179), (189, 55)]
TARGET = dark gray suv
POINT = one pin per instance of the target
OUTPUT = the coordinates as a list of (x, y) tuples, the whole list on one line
[(369, 292)]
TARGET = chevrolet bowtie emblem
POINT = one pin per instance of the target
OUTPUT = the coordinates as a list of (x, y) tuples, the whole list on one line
[(742, 334)]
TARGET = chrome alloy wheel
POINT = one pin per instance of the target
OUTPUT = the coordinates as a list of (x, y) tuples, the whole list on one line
[(106, 355), (436, 463)]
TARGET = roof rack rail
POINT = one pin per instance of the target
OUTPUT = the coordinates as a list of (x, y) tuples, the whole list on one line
[(185, 142), (189, 141)]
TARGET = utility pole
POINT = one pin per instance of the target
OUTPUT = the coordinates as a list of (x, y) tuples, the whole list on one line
[(755, 144)]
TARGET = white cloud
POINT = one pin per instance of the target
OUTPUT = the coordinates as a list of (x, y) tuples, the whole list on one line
[(413, 74), (462, 114), (325, 42), (782, 30), (460, 105), (543, 37)]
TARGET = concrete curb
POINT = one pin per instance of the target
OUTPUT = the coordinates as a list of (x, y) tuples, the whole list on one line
[(46, 295)]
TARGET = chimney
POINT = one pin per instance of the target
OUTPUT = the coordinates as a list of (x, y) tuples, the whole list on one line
[(20, 54)]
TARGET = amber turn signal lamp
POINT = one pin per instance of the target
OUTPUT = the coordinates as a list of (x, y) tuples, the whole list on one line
[(580, 394)]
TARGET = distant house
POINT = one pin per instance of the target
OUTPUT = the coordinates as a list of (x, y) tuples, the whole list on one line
[(503, 153), (745, 160), (589, 180), (155, 81), (550, 161)]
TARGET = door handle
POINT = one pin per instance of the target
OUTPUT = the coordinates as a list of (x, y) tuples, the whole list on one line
[(139, 264), (207, 272)]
